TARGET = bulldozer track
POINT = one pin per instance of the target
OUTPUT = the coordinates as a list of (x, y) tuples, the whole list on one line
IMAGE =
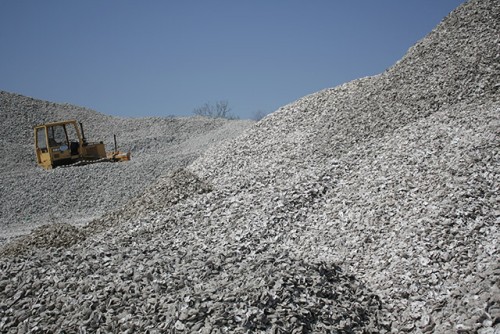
[(85, 162)]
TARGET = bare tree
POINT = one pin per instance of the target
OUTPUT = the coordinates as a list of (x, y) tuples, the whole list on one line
[(221, 109), (258, 115)]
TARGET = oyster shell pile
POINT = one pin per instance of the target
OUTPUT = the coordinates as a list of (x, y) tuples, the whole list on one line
[(369, 207)]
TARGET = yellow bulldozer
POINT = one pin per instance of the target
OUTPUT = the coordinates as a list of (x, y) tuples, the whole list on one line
[(62, 144)]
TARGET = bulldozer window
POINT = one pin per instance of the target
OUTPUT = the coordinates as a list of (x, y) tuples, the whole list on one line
[(40, 139), (57, 136), (71, 132)]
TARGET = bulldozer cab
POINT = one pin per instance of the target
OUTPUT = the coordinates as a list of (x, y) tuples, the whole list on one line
[(57, 143)]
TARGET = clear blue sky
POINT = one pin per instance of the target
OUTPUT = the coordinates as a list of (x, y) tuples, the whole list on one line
[(159, 58)]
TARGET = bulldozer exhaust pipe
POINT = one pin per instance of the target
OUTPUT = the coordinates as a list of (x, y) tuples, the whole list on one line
[(83, 134), (114, 139)]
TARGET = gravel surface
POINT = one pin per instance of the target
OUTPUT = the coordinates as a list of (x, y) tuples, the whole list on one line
[(371, 207)]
